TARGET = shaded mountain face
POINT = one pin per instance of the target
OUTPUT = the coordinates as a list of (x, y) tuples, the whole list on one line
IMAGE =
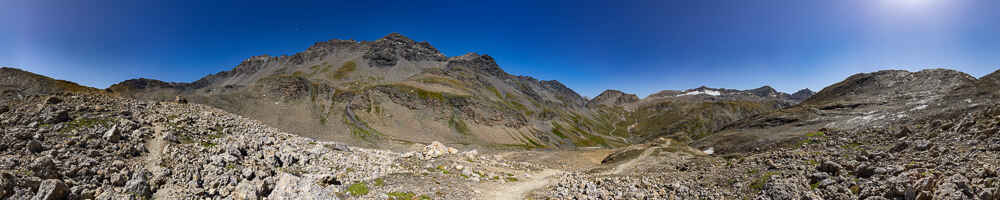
[(874, 99), (613, 98), (393, 89), (16, 83), (892, 85), (802, 95), (700, 112)]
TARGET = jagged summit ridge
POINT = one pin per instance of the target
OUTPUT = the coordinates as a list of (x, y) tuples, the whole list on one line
[(887, 85), (613, 98), (387, 51), (802, 94)]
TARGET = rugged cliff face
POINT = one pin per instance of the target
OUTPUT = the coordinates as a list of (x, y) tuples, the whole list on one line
[(393, 89), (613, 98), (866, 99)]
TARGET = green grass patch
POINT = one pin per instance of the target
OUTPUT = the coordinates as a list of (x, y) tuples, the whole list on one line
[(810, 138), (442, 81), (344, 70), (401, 195), (496, 92), (758, 184), (358, 189), (557, 130), (443, 169), (816, 134), (379, 182), (207, 144), (426, 95), (362, 130), (459, 125)]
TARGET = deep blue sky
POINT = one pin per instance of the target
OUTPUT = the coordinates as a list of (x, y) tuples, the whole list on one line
[(635, 46)]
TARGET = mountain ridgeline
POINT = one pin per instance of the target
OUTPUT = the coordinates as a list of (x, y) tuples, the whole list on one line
[(891, 134), (396, 89)]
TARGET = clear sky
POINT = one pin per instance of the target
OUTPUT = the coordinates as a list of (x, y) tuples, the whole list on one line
[(635, 46)]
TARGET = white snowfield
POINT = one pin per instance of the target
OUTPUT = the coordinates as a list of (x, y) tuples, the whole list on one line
[(697, 92)]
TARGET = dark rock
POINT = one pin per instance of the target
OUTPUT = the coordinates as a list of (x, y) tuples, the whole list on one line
[(905, 131), (53, 116), (817, 177), (51, 189), (6, 185), (829, 167), (53, 100), (44, 167), (34, 146), (329, 180), (947, 126), (864, 171), (4, 109), (899, 147)]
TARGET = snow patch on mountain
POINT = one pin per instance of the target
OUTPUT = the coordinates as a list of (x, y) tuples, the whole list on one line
[(706, 92)]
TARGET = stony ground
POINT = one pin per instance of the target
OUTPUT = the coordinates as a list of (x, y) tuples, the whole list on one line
[(99, 147), (953, 157)]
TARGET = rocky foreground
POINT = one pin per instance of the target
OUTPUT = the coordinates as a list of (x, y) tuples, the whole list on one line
[(100, 147), (944, 157)]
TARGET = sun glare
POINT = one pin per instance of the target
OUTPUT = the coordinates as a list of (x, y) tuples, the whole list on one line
[(909, 4)]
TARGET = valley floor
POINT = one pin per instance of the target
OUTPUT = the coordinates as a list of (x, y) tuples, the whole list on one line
[(98, 147)]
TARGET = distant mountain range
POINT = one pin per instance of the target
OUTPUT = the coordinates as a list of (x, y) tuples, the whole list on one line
[(395, 90)]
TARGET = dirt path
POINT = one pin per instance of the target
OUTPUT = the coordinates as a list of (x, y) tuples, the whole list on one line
[(155, 147), (517, 190), (631, 163)]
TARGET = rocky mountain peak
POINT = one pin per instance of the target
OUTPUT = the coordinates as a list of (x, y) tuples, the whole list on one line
[(992, 78), (802, 94), (387, 51), (565, 94), (16, 81), (889, 84), (142, 83), (613, 98), (397, 37), (480, 63), (765, 91)]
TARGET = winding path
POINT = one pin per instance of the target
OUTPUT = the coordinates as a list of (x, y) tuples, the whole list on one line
[(155, 147), (519, 189), (631, 163)]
